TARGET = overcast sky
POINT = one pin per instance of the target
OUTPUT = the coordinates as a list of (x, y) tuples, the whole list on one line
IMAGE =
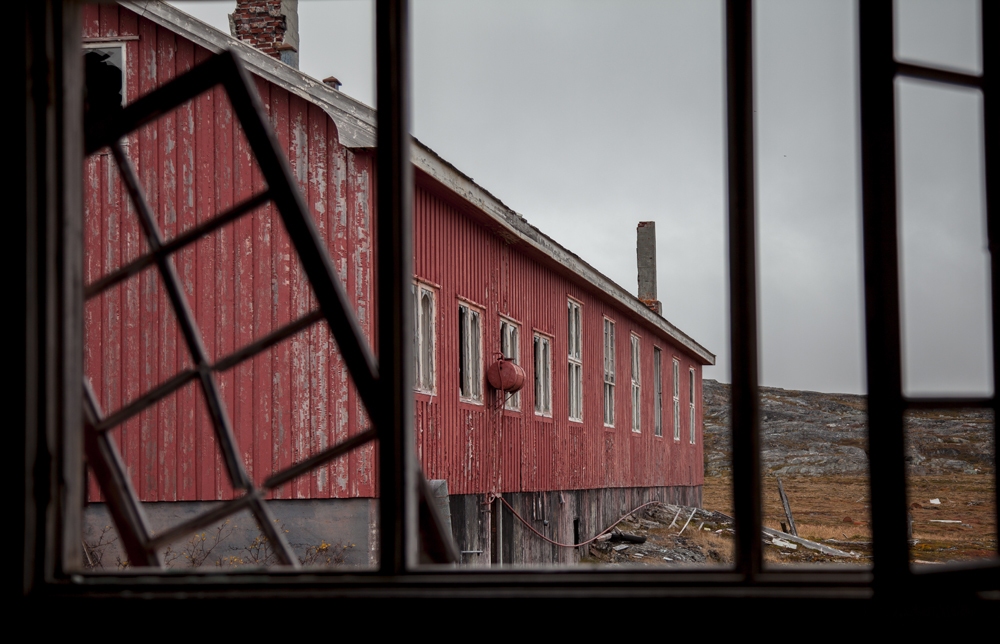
[(588, 117)]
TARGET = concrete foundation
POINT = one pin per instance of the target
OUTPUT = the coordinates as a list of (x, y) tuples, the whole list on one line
[(493, 536), (486, 535), (347, 525)]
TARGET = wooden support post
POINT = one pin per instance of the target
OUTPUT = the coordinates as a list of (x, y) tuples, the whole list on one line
[(788, 510)]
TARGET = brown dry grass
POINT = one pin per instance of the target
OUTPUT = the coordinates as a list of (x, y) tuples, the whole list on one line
[(719, 549), (820, 506)]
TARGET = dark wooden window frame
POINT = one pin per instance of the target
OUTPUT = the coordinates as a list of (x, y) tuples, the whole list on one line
[(48, 400)]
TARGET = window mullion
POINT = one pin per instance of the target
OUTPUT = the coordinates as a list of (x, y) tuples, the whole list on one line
[(397, 477), (743, 287)]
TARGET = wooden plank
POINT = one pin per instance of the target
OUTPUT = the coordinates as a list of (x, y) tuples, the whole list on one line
[(301, 407), (224, 248), (208, 179), (282, 430), (318, 336), (359, 177), (340, 398), (91, 20), (157, 423), (174, 419), (245, 294), (262, 266), (788, 510)]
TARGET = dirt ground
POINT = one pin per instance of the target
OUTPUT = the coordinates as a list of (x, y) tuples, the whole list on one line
[(835, 510)]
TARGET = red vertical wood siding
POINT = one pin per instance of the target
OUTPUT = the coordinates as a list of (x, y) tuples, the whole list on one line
[(241, 283), (296, 399), (475, 447)]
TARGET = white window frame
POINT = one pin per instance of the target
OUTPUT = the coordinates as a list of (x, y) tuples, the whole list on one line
[(677, 399), (636, 351), (657, 391), (510, 346), (543, 373), (691, 415), (609, 372), (424, 339), (574, 317), (124, 58), (470, 352)]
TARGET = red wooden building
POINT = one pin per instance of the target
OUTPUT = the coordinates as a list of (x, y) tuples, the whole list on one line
[(610, 414)]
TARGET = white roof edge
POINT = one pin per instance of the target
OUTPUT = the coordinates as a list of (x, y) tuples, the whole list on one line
[(356, 126), (355, 120), (449, 176)]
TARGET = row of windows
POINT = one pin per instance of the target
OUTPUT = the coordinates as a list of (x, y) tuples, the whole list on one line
[(636, 388), (470, 375)]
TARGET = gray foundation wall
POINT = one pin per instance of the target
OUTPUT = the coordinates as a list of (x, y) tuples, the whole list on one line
[(487, 535), (492, 535), (348, 525)]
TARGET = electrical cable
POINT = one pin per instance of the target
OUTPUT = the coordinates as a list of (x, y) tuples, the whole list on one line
[(492, 496)]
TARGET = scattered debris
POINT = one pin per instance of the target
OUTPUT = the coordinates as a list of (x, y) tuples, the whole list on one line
[(688, 521), (812, 545), (936, 501)]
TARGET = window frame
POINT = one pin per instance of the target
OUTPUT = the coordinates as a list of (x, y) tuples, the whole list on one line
[(512, 402), (470, 353), (113, 43), (609, 372), (676, 380), (635, 351), (542, 367), (691, 408), (657, 391), (49, 402), (421, 336), (574, 343)]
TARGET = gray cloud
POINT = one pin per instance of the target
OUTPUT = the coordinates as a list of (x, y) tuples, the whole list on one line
[(587, 117)]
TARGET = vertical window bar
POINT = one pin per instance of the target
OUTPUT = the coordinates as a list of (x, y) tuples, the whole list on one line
[(878, 194), (397, 480), (743, 286), (991, 160)]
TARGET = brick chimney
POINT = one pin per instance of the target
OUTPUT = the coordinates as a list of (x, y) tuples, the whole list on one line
[(272, 26), (645, 252)]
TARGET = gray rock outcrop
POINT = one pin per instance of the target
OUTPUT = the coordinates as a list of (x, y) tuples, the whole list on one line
[(809, 433)]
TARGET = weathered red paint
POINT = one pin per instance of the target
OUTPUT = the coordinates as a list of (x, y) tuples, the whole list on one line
[(458, 441), (296, 399)]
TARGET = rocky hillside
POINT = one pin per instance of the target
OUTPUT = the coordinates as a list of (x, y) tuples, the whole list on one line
[(817, 434)]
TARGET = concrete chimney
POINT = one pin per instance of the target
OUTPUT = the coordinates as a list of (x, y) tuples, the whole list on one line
[(645, 253), (272, 26)]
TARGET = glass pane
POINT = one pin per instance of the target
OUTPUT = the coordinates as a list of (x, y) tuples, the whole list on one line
[(944, 263), (810, 279), (950, 485), (940, 33)]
